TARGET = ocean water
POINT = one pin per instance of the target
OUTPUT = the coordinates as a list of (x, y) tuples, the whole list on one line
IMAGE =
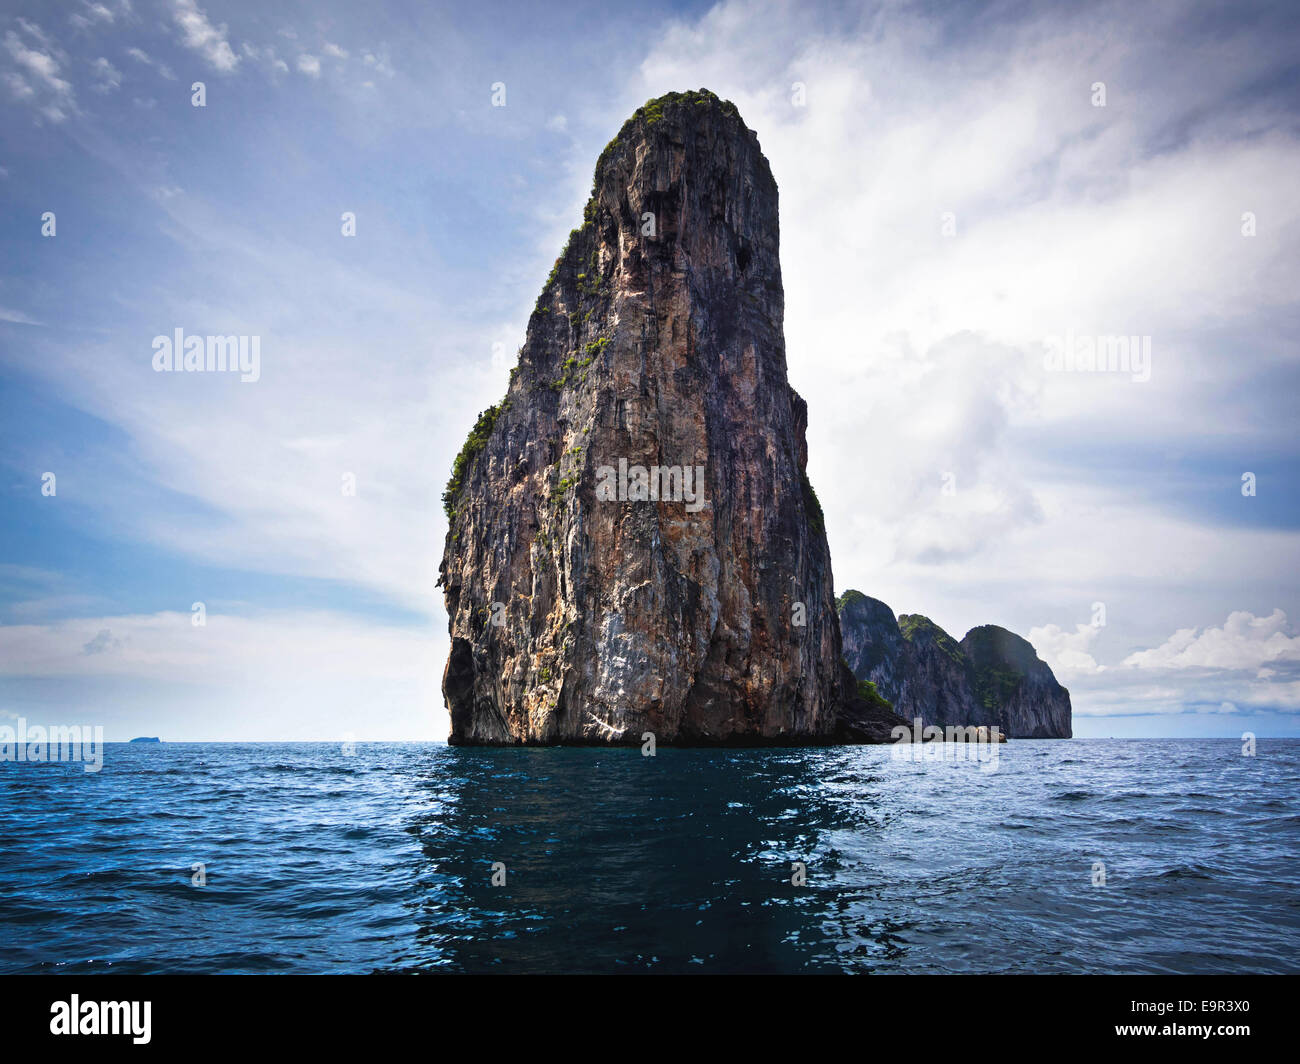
[(382, 861)]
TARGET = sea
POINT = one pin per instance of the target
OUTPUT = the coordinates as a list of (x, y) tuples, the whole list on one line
[(1060, 856)]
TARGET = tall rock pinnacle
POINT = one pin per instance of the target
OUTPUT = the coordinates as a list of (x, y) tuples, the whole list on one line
[(633, 543)]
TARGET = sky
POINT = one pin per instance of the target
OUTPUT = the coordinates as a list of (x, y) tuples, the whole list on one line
[(966, 190)]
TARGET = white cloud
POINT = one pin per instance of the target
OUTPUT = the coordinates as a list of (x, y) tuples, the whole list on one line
[(921, 354), (301, 674), (107, 77), (36, 33), (39, 80), (202, 36), (380, 62), (1066, 652), (334, 51), (16, 317), (141, 56), (1249, 665), (18, 86), (309, 65), (267, 56), (92, 13), (1244, 642)]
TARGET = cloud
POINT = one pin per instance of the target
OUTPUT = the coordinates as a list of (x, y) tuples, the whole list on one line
[(36, 33), (107, 77), (283, 674), (309, 65), (921, 353), (1126, 692), (334, 51), (38, 80), (267, 56), (16, 317), (200, 35), (141, 56), (1248, 665), (1244, 642), (1066, 652), (380, 62), (102, 642), (93, 13)]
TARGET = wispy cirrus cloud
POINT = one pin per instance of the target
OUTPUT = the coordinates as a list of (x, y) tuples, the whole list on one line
[(199, 34), (107, 77), (36, 76), (16, 317), (94, 13), (143, 57)]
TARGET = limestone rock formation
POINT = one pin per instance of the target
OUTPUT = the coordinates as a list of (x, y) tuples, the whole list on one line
[(992, 677), (633, 543), (1010, 677)]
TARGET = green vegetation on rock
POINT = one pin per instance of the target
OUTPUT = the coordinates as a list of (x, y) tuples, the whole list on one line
[(916, 626), (814, 507), (651, 113), (849, 598), (995, 684), (996, 677), (868, 693), (474, 443)]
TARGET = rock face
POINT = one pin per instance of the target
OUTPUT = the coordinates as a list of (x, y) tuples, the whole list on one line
[(633, 543), (1010, 676), (992, 677)]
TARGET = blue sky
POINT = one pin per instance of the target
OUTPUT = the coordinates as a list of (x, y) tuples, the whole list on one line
[(952, 197)]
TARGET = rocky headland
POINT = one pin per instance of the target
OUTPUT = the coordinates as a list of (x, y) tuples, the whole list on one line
[(991, 677)]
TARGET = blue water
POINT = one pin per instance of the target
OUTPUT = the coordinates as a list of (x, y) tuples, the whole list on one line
[(382, 861)]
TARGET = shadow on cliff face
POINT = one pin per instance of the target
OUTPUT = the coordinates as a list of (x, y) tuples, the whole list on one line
[(619, 862)]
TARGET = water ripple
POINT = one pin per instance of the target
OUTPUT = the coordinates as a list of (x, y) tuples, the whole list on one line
[(1081, 856)]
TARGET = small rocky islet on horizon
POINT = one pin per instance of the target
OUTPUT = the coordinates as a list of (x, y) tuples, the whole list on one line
[(633, 543)]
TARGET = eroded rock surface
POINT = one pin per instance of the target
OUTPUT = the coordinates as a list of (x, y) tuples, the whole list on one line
[(583, 613), (992, 677)]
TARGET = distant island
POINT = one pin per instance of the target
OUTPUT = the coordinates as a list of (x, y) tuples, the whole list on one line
[(992, 677), (147, 739)]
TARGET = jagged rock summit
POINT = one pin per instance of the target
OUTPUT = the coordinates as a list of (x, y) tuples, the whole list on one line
[(633, 544), (992, 677)]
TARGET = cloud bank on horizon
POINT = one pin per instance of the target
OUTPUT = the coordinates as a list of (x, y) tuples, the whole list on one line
[(967, 193)]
